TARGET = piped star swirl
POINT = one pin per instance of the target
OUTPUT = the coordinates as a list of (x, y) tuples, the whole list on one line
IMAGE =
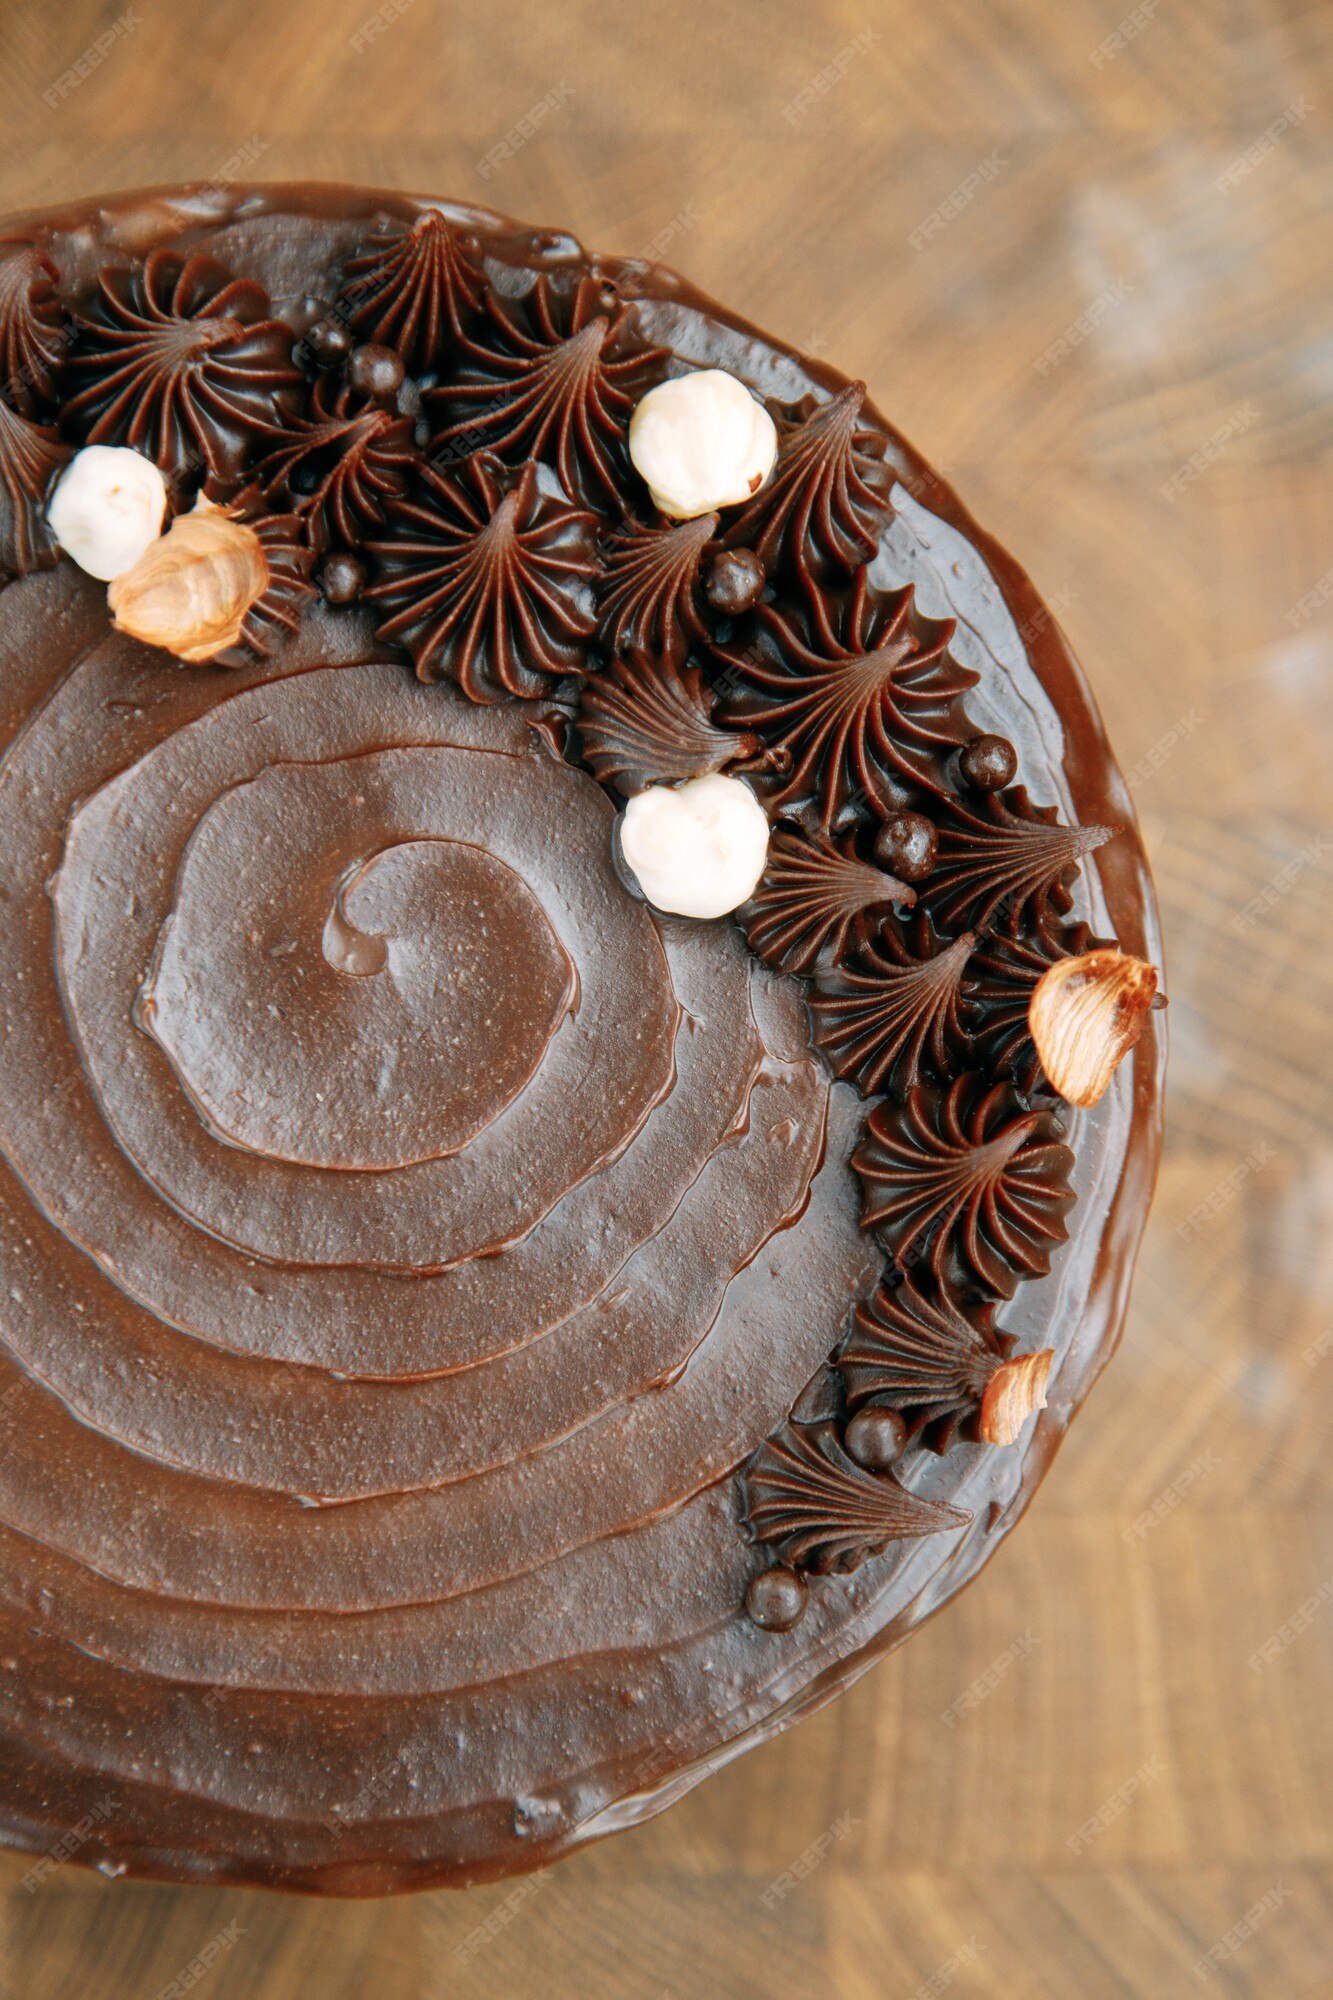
[(965, 1172), (183, 362), (32, 327), (814, 898), (413, 290), (485, 579), (648, 597), (827, 497), (1000, 858), (1001, 976), (646, 721), (338, 467), (549, 378), (31, 457), (862, 697), (821, 1511), (895, 1004), (917, 1350)]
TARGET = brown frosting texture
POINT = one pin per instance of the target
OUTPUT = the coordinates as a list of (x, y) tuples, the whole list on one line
[(314, 968)]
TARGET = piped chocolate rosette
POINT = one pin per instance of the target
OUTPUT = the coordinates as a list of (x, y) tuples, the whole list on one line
[(570, 931)]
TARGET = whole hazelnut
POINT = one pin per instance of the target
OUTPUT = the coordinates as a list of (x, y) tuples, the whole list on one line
[(696, 849), (701, 441), (107, 508)]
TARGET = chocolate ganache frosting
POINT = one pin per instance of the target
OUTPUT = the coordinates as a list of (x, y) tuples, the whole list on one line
[(476, 1351)]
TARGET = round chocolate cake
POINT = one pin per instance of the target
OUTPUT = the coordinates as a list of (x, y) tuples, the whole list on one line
[(568, 928)]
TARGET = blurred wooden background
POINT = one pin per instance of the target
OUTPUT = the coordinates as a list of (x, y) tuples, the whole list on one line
[(1081, 253)]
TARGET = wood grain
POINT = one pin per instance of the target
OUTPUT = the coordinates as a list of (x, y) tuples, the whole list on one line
[(1119, 349)]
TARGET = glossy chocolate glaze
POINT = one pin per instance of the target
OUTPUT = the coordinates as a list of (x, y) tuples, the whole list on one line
[(367, 1530)]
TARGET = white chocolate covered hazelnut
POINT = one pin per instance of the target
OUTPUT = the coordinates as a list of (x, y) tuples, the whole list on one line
[(701, 442), (107, 508), (696, 849)]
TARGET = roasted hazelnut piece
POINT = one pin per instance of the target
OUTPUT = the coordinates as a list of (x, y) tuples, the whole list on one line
[(1014, 1391), (1085, 1015)]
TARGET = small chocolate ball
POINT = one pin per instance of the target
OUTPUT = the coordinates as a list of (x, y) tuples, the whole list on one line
[(734, 582), (905, 845), (776, 1599), (376, 371), (330, 341), (989, 763), (341, 578), (875, 1437)]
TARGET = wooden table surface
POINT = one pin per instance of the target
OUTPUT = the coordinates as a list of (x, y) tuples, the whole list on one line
[(1082, 255)]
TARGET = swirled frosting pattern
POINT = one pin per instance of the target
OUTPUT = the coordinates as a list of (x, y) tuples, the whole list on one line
[(298, 1043)]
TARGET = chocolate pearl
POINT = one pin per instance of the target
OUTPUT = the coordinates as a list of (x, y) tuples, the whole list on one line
[(776, 1598), (376, 371), (341, 578), (905, 845), (330, 341), (989, 763), (875, 1437), (734, 582)]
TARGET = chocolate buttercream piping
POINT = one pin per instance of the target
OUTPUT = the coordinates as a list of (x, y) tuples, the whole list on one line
[(31, 457), (645, 722), (275, 615), (815, 898), (1001, 858), (414, 289), (965, 1171), (552, 377), (648, 596), (821, 1511), (33, 328), (894, 1004), (827, 496), (184, 362), (922, 1352), (337, 468), (485, 578), (862, 699)]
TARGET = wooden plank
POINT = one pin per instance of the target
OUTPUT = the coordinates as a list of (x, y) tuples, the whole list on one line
[(1113, 1756)]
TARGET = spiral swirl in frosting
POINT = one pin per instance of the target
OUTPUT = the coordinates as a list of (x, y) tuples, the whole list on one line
[(366, 1142)]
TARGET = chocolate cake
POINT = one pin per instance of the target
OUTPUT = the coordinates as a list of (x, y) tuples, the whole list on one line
[(482, 1342)]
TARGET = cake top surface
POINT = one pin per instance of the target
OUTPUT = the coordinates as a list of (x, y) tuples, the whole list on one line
[(487, 1340)]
